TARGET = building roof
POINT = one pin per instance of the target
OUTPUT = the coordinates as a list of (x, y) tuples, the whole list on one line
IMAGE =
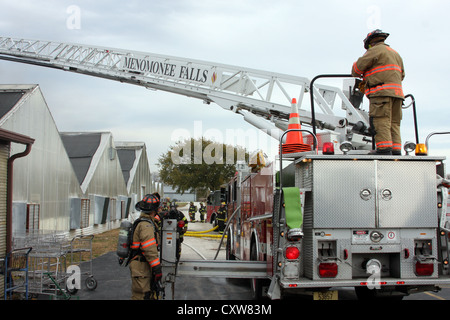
[(129, 154), (10, 95), (127, 158), (80, 148), (8, 100)]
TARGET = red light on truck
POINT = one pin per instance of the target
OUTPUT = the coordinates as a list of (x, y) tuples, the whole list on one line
[(292, 253), (328, 148), (424, 269), (406, 253), (328, 270)]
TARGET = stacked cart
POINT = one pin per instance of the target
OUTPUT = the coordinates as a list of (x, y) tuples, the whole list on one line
[(53, 266), (15, 272), (81, 255)]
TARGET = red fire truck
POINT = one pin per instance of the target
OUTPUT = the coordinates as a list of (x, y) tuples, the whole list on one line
[(213, 202)]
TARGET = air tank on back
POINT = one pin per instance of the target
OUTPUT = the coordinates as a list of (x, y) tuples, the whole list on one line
[(123, 241)]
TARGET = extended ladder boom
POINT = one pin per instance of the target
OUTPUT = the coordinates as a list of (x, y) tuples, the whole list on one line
[(259, 96)]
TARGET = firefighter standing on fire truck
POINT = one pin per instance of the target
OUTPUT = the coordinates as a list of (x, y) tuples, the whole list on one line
[(382, 70), (145, 266)]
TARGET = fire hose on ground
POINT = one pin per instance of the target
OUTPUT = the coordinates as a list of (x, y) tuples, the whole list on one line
[(204, 235), (204, 231), (201, 234)]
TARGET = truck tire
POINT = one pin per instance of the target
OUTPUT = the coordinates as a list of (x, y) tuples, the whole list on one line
[(228, 254), (257, 285)]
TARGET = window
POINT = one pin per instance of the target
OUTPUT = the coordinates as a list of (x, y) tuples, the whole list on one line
[(113, 209), (33, 212), (85, 210), (122, 209)]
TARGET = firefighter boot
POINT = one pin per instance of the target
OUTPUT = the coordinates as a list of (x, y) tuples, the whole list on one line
[(381, 152)]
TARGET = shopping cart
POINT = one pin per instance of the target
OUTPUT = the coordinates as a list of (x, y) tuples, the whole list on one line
[(81, 255), (47, 262), (15, 272)]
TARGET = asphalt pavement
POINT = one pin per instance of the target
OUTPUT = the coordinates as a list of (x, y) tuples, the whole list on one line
[(114, 282)]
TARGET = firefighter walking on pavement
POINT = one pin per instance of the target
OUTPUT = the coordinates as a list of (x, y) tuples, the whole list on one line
[(202, 211), (192, 211), (182, 225), (222, 217), (382, 71), (145, 264)]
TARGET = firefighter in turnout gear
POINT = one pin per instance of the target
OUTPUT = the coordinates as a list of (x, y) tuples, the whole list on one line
[(382, 71), (165, 205), (145, 265), (182, 224), (202, 212), (222, 217), (192, 211)]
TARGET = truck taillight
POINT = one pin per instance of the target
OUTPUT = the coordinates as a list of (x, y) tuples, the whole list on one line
[(292, 253), (328, 148), (328, 269), (424, 269)]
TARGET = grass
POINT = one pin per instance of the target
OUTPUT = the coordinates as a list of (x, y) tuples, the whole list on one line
[(101, 243), (104, 242)]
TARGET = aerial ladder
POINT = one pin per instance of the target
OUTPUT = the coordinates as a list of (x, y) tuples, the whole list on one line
[(263, 98)]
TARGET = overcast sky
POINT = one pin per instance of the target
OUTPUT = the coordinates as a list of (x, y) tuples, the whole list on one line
[(302, 38)]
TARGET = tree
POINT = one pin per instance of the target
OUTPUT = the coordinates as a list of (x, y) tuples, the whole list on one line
[(199, 164)]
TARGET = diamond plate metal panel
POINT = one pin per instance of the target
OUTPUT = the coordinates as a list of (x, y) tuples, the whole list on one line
[(407, 194), (337, 189)]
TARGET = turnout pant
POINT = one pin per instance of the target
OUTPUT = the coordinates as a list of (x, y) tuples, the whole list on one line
[(140, 280), (386, 114)]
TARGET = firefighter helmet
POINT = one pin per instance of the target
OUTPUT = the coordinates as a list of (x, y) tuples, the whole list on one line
[(149, 203), (374, 34)]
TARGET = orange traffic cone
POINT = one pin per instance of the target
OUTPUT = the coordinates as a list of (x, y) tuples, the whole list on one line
[(294, 139)]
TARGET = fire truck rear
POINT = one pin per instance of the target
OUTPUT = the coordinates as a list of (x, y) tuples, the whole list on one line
[(213, 203), (375, 223)]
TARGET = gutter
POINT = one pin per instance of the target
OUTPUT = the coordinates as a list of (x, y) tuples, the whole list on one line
[(17, 138)]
